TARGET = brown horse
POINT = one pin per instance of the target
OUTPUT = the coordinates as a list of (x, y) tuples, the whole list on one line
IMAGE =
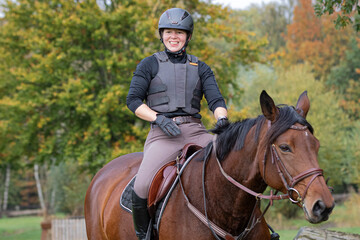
[(277, 149)]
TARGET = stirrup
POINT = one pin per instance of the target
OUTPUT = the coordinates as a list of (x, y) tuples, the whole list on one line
[(274, 235)]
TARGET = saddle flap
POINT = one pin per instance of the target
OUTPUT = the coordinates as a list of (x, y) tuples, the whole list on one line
[(166, 175), (158, 181)]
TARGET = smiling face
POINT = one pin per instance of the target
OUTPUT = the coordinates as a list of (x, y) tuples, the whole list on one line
[(174, 39)]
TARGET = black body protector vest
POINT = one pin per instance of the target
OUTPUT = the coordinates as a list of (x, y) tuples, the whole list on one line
[(175, 86)]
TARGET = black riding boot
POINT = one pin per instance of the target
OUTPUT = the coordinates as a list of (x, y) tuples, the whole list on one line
[(141, 216)]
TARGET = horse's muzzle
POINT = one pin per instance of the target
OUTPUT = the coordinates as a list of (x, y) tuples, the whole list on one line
[(320, 212)]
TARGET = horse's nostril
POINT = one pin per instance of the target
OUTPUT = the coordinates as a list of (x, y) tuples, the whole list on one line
[(320, 210)]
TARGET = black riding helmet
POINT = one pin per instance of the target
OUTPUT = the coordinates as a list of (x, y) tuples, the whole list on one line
[(176, 18)]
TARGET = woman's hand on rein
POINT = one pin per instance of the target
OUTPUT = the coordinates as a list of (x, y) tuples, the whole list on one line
[(222, 122)]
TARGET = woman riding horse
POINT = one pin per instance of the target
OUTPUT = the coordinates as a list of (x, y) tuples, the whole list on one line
[(172, 82), (277, 149)]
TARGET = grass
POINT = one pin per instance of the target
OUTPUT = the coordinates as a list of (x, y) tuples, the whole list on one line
[(345, 218), (20, 228), (355, 230), (287, 234)]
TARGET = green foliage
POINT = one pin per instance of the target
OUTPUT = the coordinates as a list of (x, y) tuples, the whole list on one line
[(345, 77), (345, 10), (14, 199), (67, 188), (68, 65), (68, 91), (220, 41), (338, 155), (269, 21), (346, 70)]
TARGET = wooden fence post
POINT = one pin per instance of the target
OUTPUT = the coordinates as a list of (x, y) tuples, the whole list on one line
[(46, 230), (68, 229)]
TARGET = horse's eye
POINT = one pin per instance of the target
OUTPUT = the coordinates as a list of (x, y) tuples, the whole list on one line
[(285, 148)]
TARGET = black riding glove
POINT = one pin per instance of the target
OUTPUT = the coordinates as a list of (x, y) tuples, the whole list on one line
[(222, 122), (167, 125)]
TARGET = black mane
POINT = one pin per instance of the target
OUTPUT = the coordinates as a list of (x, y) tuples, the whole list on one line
[(232, 137)]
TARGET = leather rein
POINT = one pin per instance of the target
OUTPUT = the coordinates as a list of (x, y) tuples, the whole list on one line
[(282, 171)]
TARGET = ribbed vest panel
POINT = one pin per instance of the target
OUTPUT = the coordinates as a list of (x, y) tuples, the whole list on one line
[(176, 86)]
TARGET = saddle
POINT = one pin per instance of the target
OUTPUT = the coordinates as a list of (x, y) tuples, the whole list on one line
[(166, 175)]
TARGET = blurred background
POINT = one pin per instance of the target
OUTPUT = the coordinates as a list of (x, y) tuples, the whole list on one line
[(66, 66)]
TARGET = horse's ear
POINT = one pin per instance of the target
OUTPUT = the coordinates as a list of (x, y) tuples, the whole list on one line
[(303, 104), (268, 107)]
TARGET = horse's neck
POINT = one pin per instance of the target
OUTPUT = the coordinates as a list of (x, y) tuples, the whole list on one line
[(242, 167), (231, 205)]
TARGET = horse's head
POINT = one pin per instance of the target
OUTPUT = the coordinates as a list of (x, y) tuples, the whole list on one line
[(290, 164)]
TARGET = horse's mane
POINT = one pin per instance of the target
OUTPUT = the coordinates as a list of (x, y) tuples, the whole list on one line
[(232, 136)]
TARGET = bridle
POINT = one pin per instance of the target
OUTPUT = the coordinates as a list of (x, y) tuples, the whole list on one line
[(282, 171)]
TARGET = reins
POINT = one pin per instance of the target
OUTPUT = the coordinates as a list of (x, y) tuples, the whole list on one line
[(216, 230)]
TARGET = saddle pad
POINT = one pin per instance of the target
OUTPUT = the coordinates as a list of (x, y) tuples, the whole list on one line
[(126, 196)]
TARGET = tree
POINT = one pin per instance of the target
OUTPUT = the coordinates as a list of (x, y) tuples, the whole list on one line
[(268, 20), (314, 40), (220, 41), (351, 101), (69, 65), (339, 154), (66, 68), (348, 12), (345, 77), (6, 188)]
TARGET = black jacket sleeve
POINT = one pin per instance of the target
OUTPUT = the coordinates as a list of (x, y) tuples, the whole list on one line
[(210, 87), (145, 71)]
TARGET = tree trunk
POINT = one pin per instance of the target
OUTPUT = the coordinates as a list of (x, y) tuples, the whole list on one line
[(39, 189), (52, 201), (6, 187), (53, 187)]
